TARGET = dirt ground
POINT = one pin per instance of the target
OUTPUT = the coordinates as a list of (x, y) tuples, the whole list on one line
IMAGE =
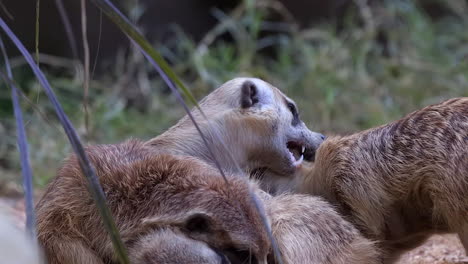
[(439, 249)]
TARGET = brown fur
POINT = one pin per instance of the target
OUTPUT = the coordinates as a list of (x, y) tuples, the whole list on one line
[(146, 192), (308, 230), (401, 182)]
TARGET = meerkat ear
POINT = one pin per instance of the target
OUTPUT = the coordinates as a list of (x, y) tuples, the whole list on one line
[(249, 94)]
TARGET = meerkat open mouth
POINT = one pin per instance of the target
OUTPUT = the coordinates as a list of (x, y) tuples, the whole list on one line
[(296, 152)]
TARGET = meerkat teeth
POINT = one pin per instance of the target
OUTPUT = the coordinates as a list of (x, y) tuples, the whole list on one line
[(291, 156), (302, 149), (299, 161)]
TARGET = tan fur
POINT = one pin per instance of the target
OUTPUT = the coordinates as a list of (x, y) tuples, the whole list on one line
[(400, 182), (166, 246), (256, 136), (146, 192), (308, 230)]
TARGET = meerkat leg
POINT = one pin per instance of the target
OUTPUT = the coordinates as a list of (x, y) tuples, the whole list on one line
[(71, 252)]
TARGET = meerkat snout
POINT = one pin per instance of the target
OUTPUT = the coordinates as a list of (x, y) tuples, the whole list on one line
[(302, 147), (309, 153)]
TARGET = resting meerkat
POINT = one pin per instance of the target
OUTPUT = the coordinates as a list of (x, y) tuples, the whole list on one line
[(309, 230), (258, 123), (400, 182), (146, 192)]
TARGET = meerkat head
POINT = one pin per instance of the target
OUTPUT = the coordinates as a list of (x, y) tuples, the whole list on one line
[(248, 122), (264, 123)]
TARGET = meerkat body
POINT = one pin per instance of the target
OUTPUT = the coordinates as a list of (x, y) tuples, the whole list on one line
[(308, 230), (146, 192), (401, 182)]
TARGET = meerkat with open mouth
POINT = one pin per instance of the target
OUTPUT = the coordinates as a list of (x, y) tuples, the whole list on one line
[(259, 125)]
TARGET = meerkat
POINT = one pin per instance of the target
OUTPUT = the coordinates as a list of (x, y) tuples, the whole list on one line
[(147, 192), (259, 125), (401, 182), (309, 230)]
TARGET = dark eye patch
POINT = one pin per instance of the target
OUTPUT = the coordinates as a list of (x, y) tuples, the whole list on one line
[(294, 112), (198, 223)]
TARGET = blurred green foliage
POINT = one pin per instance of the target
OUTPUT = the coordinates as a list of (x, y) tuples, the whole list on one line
[(378, 63)]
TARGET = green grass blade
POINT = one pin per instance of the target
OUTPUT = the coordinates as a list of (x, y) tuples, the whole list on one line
[(22, 148)]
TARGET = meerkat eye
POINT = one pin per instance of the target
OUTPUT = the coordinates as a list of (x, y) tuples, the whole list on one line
[(293, 110), (198, 223)]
